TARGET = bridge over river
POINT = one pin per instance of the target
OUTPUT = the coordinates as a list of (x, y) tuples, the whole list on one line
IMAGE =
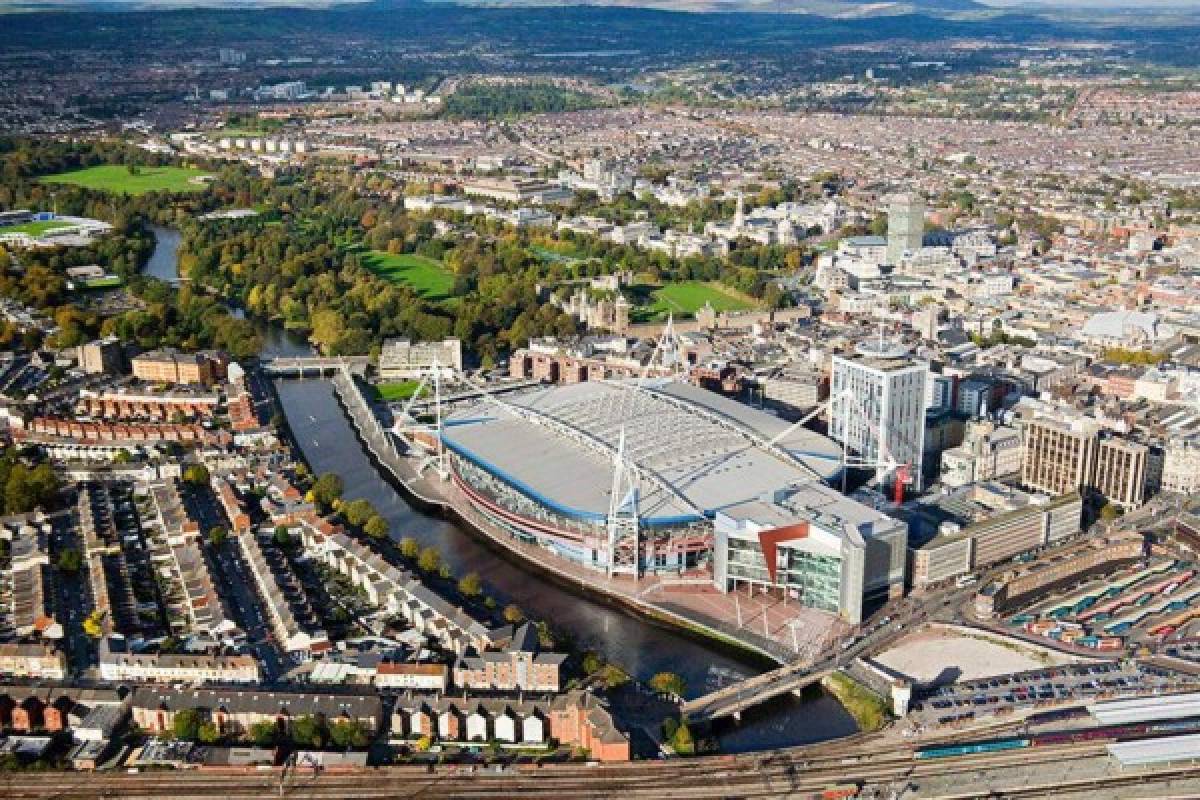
[(737, 697), (312, 366)]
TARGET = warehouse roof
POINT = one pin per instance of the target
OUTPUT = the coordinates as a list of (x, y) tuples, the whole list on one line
[(1145, 709), (1157, 751)]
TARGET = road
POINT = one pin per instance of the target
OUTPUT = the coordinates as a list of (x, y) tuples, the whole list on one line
[(234, 581)]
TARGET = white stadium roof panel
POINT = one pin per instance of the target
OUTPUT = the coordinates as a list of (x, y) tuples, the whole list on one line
[(697, 451)]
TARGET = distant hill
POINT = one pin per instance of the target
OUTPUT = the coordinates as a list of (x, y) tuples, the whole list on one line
[(826, 8)]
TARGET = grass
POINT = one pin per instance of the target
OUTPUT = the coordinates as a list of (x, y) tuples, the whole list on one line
[(869, 710), (685, 299), (109, 282), (548, 256), (34, 228), (426, 277), (394, 392), (118, 180)]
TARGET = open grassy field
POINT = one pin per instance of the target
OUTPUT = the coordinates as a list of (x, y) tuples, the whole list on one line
[(108, 282), (394, 392), (685, 299), (427, 277), (117, 179), (34, 228)]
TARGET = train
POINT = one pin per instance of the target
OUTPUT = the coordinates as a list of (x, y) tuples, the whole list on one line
[(1138, 730)]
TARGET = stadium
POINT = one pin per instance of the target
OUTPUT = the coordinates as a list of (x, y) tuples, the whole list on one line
[(667, 478)]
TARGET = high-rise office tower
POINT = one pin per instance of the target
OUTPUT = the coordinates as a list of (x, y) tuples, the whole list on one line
[(877, 406), (906, 225)]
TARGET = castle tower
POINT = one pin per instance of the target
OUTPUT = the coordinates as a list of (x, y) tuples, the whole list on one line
[(621, 315)]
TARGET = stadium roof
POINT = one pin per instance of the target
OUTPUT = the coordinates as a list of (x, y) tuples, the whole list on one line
[(696, 451)]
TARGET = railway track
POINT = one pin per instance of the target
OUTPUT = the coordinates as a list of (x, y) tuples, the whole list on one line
[(763, 777)]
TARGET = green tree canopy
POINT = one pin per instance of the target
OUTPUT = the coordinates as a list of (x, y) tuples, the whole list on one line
[(471, 585), (429, 560), (186, 724), (377, 527)]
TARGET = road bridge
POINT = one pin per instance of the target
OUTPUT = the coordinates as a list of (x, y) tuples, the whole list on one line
[(312, 366), (738, 697)]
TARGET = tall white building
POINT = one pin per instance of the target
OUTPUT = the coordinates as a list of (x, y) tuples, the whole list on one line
[(906, 226), (877, 406)]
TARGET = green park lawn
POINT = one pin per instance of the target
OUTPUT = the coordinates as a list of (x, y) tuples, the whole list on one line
[(34, 228), (119, 180), (686, 298), (426, 277)]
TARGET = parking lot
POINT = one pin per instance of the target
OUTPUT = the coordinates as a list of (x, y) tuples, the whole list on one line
[(1149, 602), (975, 701)]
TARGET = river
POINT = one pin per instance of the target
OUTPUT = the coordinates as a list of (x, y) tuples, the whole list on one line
[(640, 646)]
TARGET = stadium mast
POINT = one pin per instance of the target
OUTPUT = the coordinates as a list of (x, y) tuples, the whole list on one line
[(624, 540)]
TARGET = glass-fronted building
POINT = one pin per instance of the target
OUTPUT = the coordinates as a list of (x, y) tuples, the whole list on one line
[(828, 551)]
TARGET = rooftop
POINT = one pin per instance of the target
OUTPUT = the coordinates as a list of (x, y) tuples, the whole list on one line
[(697, 452)]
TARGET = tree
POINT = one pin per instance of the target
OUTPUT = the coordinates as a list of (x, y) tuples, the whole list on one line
[(327, 328), (196, 474), (377, 527), (470, 585), (26, 489), (123, 456), (348, 733), (591, 662), (423, 744), (429, 560), (513, 614), (263, 733), (283, 537), (70, 561), (327, 488), (186, 724), (307, 731), (1109, 512), (613, 676), (444, 572), (92, 624), (669, 726), (682, 741), (357, 512), (409, 548), (668, 683), (209, 733), (217, 535)]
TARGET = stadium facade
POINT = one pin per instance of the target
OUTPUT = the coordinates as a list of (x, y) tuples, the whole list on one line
[(668, 478)]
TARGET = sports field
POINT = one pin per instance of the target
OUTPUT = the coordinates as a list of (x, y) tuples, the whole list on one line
[(119, 180), (393, 392), (427, 277), (34, 228), (686, 298), (107, 282)]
